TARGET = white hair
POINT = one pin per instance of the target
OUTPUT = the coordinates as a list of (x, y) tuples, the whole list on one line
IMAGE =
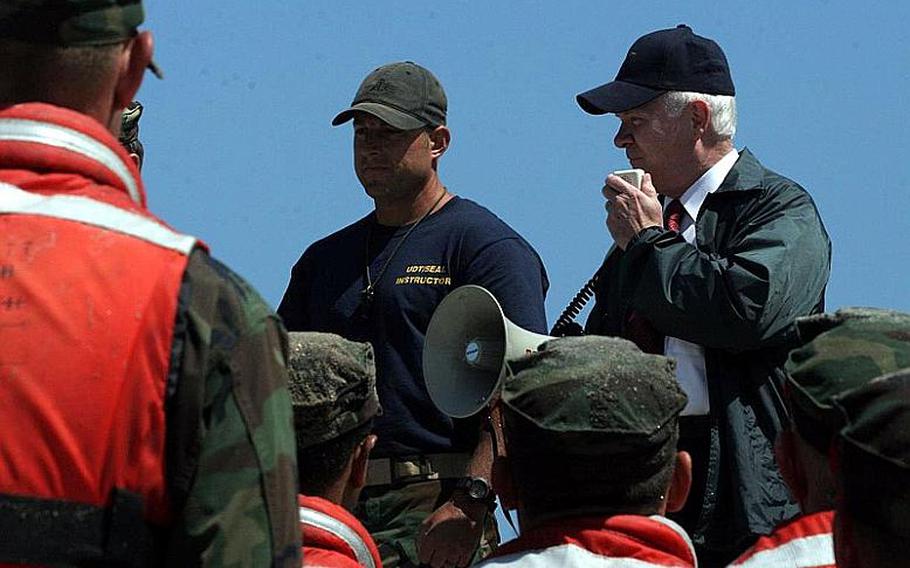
[(723, 109)]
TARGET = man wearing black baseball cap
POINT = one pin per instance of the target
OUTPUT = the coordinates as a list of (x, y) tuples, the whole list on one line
[(380, 280), (715, 257)]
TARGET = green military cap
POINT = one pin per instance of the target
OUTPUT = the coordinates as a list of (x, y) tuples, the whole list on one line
[(841, 351), (332, 382), (591, 396), (874, 453), (72, 22)]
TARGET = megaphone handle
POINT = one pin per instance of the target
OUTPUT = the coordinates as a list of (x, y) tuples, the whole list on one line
[(493, 423)]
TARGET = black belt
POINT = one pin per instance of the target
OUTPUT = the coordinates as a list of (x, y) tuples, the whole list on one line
[(46, 531)]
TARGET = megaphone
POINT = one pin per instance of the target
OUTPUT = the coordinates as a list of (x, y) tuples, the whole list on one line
[(468, 345)]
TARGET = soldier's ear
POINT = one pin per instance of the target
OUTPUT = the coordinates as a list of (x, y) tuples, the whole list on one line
[(359, 460), (681, 482), (133, 62)]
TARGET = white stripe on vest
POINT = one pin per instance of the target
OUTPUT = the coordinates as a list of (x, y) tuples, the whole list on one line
[(564, 556), (92, 212), (817, 550), (342, 531), (23, 130)]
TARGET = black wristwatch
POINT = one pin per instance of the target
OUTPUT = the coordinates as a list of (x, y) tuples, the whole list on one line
[(477, 489)]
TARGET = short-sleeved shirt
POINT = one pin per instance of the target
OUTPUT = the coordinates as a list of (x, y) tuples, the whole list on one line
[(462, 243)]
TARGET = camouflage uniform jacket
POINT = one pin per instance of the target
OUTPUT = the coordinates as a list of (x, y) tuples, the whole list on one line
[(231, 456), (230, 463)]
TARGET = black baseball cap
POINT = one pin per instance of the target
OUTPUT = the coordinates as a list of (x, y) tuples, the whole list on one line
[(403, 95), (666, 60)]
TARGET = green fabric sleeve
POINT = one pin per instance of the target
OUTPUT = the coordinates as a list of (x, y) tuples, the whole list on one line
[(772, 268), (232, 461)]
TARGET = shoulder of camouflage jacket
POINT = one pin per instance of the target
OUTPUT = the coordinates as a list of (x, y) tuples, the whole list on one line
[(245, 480)]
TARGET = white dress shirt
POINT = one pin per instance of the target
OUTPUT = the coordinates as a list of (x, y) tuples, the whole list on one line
[(690, 358)]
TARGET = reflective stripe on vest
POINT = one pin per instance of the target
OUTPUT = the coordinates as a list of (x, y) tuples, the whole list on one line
[(334, 526), (23, 130), (817, 550), (92, 212), (88, 299)]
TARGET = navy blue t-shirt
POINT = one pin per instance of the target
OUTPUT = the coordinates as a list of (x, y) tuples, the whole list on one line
[(462, 243)]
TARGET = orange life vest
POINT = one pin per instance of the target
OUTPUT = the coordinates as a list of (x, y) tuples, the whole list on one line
[(89, 283)]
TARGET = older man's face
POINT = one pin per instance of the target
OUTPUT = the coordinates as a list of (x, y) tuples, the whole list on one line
[(658, 143)]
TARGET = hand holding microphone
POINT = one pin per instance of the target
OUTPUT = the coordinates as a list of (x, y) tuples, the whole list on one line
[(632, 205)]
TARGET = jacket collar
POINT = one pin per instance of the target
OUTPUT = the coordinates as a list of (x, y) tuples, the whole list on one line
[(747, 173), (42, 137), (654, 538), (707, 184)]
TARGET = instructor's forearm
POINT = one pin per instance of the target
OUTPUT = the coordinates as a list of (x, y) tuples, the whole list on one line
[(481, 464)]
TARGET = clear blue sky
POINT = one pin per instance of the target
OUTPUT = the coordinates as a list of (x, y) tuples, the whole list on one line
[(239, 149)]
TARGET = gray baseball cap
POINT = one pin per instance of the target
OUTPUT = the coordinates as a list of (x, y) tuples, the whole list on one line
[(404, 95)]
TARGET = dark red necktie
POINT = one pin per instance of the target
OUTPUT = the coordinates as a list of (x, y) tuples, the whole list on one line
[(674, 215), (638, 329)]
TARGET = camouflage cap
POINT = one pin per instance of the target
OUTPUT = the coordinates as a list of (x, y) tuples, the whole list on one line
[(332, 382), (590, 396), (72, 22), (841, 351), (874, 453)]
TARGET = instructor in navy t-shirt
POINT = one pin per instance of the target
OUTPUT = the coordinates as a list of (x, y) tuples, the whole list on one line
[(379, 280)]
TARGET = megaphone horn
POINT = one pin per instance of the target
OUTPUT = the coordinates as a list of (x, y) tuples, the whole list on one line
[(468, 344)]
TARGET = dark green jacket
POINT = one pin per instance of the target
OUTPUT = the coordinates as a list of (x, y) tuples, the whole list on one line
[(761, 259)]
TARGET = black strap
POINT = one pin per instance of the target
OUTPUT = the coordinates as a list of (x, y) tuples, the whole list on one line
[(45, 531)]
